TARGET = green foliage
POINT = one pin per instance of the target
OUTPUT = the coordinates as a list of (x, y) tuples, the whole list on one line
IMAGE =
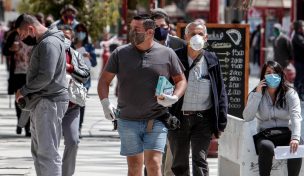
[(95, 14)]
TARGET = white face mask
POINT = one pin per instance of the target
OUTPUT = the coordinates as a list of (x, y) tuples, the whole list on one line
[(197, 42), (67, 43)]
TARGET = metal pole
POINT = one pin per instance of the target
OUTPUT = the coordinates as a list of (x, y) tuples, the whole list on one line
[(292, 11), (263, 28), (214, 12)]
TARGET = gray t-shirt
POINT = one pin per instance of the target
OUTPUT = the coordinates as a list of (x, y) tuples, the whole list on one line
[(137, 73)]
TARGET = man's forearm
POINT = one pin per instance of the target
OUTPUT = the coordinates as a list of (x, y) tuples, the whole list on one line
[(104, 84), (103, 89), (180, 88)]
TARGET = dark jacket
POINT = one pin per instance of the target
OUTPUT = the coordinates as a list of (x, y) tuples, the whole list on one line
[(90, 49), (283, 52), (175, 42), (298, 48), (219, 97), (11, 38)]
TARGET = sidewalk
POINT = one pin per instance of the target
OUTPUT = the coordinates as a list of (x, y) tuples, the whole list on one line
[(98, 150)]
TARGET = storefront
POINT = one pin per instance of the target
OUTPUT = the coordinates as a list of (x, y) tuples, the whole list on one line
[(267, 13)]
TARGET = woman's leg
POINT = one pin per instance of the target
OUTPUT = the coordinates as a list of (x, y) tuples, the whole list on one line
[(294, 166), (266, 152), (70, 124), (18, 113)]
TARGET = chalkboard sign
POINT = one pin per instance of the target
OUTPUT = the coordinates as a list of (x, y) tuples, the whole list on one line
[(230, 42)]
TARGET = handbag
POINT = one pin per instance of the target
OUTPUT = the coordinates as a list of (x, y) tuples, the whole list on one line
[(77, 92), (280, 136)]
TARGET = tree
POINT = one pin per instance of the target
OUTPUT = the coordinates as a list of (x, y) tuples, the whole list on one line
[(95, 14)]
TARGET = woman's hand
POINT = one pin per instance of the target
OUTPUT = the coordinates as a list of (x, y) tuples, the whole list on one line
[(293, 145), (69, 68), (261, 85), (86, 54)]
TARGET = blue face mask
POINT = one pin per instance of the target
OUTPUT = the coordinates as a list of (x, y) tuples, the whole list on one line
[(273, 80), (161, 33), (80, 35)]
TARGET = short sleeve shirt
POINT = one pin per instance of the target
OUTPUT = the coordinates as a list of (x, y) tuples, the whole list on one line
[(137, 73)]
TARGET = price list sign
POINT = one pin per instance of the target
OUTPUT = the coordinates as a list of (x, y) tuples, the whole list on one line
[(230, 43)]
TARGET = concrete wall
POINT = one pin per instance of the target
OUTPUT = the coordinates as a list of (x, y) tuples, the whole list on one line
[(237, 156)]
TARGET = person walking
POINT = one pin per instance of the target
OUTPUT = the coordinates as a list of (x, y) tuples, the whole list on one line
[(202, 111), (163, 37), (46, 92), (276, 106), (68, 16), (255, 43), (298, 48), (162, 30), (87, 50), (140, 113), (18, 54), (282, 47), (78, 71)]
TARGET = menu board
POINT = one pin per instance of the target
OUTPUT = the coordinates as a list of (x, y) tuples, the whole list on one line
[(230, 42)]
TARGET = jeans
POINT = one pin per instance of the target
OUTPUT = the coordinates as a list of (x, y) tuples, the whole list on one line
[(135, 139), (195, 130), (70, 124)]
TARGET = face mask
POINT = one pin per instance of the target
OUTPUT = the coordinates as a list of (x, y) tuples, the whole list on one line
[(276, 32), (136, 38), (197, 42), (161, 33), (67, 43), (29, 40), (48, 23), (273, 80), (68, 19), (81, 35)]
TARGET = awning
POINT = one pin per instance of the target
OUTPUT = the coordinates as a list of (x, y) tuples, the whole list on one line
[(173, 11), (272, 3), (198, 5)]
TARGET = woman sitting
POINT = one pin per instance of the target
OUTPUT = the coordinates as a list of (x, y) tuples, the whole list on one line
[(275, 105)]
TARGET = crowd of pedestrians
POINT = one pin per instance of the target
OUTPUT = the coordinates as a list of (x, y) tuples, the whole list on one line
[(47, 60)]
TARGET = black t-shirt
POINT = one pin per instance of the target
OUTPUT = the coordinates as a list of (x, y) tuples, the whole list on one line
[(137, 73)]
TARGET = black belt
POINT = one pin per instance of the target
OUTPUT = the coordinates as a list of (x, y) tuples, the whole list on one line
[(198, 113)]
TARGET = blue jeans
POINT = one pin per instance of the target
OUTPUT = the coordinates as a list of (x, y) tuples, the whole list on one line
[(135, 138)]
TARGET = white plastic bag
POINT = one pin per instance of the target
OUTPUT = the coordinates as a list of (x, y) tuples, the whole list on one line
[(77, 92)]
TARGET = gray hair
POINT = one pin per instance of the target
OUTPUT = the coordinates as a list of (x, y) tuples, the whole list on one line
[(196, 25)]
